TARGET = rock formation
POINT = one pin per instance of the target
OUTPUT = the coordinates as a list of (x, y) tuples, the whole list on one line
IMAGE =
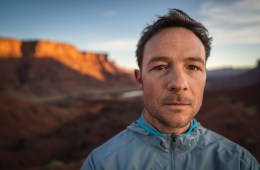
[(87, 63), (43, 64), (10, 47)]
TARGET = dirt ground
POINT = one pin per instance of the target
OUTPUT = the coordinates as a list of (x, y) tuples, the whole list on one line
[(59, 134)]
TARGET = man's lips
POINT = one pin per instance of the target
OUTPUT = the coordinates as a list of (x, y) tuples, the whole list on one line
[(177, 104)]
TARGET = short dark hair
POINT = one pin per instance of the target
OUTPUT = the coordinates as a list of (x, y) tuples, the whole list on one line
[(175, 18)]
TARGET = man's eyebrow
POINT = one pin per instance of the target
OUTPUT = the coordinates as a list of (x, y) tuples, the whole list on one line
[(167, 59), (196, 59), (158, 58)]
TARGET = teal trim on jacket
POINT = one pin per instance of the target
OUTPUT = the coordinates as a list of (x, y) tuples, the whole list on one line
[(138, 149)]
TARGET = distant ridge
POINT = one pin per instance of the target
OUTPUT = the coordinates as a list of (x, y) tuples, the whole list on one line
[(51, 64), (233, 78), (87, 63)]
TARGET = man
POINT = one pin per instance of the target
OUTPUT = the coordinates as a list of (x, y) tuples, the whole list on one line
[(171, 55)]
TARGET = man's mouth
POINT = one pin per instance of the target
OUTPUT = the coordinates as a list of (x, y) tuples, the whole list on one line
[(177, 104)]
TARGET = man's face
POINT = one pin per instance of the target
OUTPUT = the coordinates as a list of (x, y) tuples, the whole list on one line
[(172, 78)]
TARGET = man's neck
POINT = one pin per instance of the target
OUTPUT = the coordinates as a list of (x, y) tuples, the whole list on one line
[(163, 128)]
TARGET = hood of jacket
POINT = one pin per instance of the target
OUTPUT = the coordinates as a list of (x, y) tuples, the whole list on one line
[(178, 144)]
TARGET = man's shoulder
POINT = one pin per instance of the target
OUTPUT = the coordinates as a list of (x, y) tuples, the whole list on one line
[(107, 149), (211, 138), (223, 147), (118, 145)]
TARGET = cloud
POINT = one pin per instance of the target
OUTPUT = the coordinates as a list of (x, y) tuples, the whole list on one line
[(124, 44), (233, 23)]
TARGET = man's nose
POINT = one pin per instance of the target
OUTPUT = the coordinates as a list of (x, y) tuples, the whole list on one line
[(177, 80)]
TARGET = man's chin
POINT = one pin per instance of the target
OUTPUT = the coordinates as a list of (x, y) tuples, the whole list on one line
[(179, 121)]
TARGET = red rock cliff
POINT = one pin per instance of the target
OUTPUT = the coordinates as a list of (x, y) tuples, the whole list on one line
[(92, 64), (10, 47)]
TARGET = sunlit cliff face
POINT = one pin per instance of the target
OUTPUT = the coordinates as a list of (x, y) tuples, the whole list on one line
[(87, 63)]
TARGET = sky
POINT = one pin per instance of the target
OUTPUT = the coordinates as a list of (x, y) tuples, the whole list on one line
[(115, 26)]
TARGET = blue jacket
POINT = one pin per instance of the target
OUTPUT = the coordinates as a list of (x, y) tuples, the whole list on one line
[(141, 147)]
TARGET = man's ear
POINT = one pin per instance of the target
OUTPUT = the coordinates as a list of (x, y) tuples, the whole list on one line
[(138, 79)]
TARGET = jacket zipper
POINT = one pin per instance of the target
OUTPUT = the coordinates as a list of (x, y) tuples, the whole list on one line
[(172, 141)]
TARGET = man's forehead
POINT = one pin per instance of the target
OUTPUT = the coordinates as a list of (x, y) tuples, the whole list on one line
[(174, 40)]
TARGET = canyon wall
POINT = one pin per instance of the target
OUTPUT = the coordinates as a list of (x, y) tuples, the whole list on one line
[(87, 63), (46, 65)]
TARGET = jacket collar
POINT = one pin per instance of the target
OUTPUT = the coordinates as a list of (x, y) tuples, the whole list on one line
[(167, 142)]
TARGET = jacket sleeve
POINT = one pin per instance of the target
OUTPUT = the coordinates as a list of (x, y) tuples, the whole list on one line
[(249, 162), (88, 164), (254, 165)]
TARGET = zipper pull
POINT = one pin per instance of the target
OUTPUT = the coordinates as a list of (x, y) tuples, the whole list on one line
[(173, 138)]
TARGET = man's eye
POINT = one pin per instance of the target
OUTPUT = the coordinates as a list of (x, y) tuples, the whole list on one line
[(160, 67), (192, 67)]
